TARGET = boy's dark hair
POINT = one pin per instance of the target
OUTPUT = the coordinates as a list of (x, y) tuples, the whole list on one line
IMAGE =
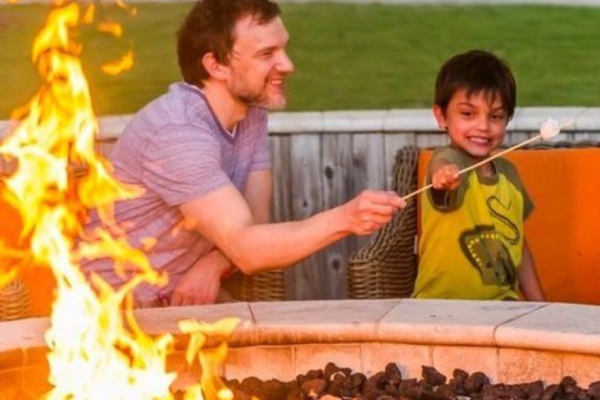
[(208, 28), (476, 71)]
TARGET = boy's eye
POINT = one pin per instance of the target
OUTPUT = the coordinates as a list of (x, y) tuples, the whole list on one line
[(498, 117), (466, 113)]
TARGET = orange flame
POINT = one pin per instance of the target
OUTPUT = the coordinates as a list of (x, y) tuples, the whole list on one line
[(88, 16), (121, 65), (210, 361), (112, 28), (96, 351)]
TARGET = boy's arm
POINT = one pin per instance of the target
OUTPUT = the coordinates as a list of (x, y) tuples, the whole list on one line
[(528, 280), (445, 180), (444, 175)]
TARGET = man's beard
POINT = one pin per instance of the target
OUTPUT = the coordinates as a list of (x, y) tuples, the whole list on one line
[(257, 98)]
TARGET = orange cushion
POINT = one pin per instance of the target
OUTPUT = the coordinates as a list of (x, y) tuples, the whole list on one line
[(39, 280), (563, 230)]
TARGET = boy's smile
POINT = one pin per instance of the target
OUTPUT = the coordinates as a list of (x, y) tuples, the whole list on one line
[(475, 123)]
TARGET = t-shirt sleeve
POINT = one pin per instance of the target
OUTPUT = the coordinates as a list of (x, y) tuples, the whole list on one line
[(528, 203), (513, 175), (448, 200), (182, 164)]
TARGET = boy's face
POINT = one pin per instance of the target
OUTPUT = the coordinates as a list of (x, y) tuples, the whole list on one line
[(476, 124)]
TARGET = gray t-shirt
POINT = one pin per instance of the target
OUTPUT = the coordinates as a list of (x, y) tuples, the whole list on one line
[(177, 151)]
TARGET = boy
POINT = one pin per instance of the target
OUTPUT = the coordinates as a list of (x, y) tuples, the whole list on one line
[(472, 243)]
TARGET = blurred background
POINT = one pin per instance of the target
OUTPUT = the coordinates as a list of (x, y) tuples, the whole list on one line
[(348, 56)]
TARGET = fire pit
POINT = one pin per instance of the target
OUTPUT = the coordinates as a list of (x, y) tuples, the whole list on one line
[(510, 342)]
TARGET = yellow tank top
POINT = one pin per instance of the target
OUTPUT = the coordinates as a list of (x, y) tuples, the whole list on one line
[(472, 238)]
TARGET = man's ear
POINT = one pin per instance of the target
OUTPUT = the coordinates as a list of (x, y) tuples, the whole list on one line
[(214, 68), (438, 113)]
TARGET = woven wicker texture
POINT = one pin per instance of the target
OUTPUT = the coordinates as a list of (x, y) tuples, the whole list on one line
[(15, 302), (264, 286), (386, 267)]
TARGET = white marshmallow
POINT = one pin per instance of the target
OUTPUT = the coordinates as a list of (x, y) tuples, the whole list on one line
[(549, 129)]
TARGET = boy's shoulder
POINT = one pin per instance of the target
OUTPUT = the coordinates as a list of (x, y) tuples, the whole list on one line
[(506, 166)]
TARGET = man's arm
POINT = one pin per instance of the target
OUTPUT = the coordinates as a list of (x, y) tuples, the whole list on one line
[(225, 218), (528, 280), (259, 195)]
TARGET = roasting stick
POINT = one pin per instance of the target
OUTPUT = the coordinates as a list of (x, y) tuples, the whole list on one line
[(548, 130)]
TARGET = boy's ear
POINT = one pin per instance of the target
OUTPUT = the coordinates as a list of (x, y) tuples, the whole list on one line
[(214, 68), (438, 113)]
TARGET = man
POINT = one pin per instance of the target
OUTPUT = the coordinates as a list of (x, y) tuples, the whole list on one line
[(201, 154)]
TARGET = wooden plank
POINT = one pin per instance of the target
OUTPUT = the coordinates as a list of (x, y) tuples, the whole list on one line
[(307, 200), (368, 171), (428, 140), (337, 190), (281, 167), (368, 168), (282, 196)]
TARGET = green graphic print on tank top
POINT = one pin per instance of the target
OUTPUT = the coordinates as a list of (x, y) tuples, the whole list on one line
[(472, 238)]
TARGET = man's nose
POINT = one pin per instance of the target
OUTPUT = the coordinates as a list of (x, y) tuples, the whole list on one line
[(285, 64)]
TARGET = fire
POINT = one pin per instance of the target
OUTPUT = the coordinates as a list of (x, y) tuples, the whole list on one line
[(97, 351), (210, 361)]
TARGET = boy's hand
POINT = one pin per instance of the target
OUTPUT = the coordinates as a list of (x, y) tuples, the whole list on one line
[(446, 177)]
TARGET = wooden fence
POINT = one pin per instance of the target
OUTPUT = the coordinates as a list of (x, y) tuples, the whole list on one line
[(321, 160)]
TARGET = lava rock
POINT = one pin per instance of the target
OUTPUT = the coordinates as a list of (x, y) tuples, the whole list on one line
[(550, 392), (594, 390), (358, 381), (314, 388), (334, 383), (392, 372), (340, 386), (432, 376), (475, 382)]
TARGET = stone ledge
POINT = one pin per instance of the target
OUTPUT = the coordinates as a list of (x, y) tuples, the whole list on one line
[(526, 119), (541, 326), (512, 342)]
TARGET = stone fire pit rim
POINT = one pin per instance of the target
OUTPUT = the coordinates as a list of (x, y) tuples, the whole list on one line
[(540, 326)]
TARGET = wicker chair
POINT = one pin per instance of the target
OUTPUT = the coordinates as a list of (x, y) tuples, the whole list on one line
[(264, 286), (386, 267), (15, 301)]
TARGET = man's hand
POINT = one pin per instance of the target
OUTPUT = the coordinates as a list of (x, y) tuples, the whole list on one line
[(370, 210), (446, 177), (202, 282)]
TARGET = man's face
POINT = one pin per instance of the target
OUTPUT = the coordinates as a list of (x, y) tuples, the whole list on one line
[(259, 63), (476, 123)]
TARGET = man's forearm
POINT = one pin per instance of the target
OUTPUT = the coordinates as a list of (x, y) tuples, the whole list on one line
[(219, 261), (224, 218), (271, 246)]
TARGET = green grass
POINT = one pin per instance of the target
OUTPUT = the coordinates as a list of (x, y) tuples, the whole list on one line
[(347, 56)]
